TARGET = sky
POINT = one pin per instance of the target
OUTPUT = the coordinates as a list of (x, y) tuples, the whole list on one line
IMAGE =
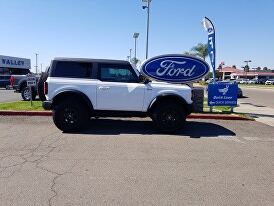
[(104, 29)]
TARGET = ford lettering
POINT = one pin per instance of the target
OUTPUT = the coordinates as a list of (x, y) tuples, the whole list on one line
[(175, 68)]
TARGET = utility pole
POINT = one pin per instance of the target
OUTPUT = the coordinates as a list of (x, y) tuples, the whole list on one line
[(135, 36), (36, 64), (147, 7)]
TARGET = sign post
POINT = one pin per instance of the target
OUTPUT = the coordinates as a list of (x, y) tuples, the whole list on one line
[(31, 81)]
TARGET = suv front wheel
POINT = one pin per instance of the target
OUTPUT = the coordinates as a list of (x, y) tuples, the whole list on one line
[(169, 117), (70, 116)]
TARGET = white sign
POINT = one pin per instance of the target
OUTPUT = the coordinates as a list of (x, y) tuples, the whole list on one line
[(14, 62), (31, 80)]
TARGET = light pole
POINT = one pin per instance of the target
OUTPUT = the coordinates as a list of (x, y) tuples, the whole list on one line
[(147, 6), (36, 62), (135, 36)]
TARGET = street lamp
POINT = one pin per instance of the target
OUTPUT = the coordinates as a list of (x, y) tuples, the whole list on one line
[(135, 36), (147, 6)]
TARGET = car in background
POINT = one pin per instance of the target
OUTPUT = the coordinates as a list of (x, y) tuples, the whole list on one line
[(269, 82), (210, 80), (19, 84), (253, 81), (243, 81)]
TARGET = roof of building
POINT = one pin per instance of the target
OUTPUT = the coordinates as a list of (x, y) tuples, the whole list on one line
[(236, 71)]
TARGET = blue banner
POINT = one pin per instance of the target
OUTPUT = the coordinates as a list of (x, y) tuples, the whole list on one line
[(224, 94), (209, 27)]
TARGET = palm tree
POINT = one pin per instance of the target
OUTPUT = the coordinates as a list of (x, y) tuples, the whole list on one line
[(200, 50)]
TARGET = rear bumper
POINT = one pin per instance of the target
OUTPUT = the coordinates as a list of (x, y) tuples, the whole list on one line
[(47, 105)]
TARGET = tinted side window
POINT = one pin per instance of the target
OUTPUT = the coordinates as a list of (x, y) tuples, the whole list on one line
[(72, 70), (113, 73)]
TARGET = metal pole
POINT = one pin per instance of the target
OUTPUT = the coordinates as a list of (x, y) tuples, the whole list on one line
[(41, 68), (135, 48), (36, 66), (130, 54), (148, 13)]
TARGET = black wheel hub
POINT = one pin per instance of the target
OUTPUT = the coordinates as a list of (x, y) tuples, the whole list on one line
[(169, 118), (70, 116)]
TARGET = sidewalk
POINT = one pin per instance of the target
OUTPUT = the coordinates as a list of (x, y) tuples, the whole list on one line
[(259, 113)]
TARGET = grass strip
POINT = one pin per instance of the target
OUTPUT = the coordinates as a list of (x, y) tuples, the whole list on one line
[(22, 106)]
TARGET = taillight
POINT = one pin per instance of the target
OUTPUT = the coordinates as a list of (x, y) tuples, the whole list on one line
[(45, 88)]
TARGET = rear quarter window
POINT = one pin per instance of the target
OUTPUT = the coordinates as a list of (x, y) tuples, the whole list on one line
[(72, 70)]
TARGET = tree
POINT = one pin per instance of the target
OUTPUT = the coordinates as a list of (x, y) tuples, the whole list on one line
[(265, 68), (259, 68), (234, 66), (200, 50)]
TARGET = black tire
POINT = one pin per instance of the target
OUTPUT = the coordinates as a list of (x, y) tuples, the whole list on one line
[(40, 86), (25, 94), (70, 115), (169, 117)]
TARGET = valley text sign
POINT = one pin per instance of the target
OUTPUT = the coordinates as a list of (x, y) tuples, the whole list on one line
[(222, 94), (175, 68), (14, 62)]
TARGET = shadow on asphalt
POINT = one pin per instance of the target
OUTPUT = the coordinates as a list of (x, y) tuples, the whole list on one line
[(192, 129)]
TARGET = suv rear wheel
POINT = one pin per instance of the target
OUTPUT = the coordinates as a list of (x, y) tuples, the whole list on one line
[(169, 117), (70, 116)]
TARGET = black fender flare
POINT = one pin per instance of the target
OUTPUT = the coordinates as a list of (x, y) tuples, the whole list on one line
[(69, 93), (166, 96)]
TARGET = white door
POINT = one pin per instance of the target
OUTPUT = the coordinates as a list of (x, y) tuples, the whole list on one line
[(118, 89)]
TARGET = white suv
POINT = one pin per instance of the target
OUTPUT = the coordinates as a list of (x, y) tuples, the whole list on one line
[(78, 89)]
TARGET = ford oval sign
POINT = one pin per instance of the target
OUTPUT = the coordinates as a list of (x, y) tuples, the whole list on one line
[(175, 68)]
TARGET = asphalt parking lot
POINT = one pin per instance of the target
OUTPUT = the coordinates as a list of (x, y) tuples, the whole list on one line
[(258, 103), (9, 96), (126, 162)]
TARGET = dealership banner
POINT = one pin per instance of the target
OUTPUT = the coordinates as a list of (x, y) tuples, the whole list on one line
[(209, 27)]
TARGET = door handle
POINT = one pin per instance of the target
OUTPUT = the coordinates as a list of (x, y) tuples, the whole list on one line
[(104, 88)]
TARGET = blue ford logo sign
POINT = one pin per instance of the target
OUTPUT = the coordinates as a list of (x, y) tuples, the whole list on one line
[(175, 68)]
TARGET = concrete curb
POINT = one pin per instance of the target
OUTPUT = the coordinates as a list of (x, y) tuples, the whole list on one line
[(193, 116), (218, 117)]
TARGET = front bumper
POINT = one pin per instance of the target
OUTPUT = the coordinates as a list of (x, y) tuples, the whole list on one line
[(47, 105)]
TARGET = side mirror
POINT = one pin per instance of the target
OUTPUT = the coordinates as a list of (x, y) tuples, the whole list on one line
[(144, 79)]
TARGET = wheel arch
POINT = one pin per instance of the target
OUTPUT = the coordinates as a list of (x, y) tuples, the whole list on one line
[(167, 97), (22, 85), (65, 94)]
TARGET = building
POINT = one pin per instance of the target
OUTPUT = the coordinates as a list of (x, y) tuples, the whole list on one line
[(12, 66), (234, 73)]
